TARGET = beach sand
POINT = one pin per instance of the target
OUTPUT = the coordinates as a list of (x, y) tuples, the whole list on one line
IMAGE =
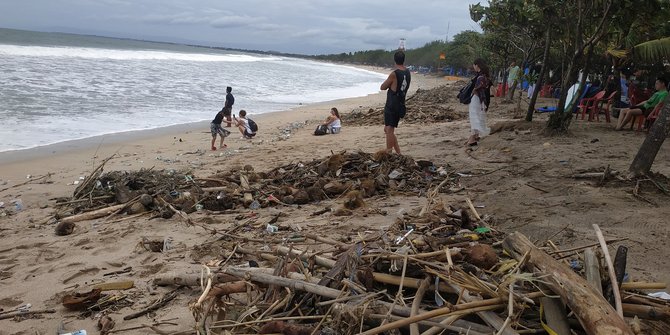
[(520, 180)]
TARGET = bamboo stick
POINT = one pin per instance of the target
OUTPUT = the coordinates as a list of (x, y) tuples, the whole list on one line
[(610, 270)]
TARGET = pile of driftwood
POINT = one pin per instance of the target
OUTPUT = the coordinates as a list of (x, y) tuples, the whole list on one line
[(349, 176), (432, 105), (436, 270)]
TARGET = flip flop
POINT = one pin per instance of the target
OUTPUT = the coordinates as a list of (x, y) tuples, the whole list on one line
[(213, 148)]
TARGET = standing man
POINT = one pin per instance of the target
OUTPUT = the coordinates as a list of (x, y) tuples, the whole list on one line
[(228, 106), (396, 86)]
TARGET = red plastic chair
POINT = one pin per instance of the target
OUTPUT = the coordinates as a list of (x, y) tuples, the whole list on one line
[(588, 103), (637, 96), (652, 116), (596, 108)]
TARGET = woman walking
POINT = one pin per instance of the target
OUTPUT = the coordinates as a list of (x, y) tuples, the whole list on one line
[(479, 103)]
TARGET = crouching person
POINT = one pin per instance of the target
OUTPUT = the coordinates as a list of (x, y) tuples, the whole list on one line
[(246, 126)]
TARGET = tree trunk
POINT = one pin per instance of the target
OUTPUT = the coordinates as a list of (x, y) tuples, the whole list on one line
[(652, 143), (540, 80)]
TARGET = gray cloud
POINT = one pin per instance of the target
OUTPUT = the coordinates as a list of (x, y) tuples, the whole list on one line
[(301, 26)]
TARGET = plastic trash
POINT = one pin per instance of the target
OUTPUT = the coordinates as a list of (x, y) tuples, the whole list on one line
[(660, 295), (272, 228), (199, 207), (482, 230), (221, 195), (78, 332), (18, 204), (255, 205), (395, 174)]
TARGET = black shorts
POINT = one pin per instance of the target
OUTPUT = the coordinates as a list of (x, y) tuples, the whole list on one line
[(247, 134), (645, 111), (227, 111), (391, 118)]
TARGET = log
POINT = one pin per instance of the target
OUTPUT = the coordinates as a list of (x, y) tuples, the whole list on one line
[(96, 214), (594, 313), (592, 269)]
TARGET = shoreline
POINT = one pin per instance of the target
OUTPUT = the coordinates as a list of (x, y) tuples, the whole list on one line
[(162, 141)]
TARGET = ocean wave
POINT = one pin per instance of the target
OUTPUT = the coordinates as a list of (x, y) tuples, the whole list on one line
[(119, 54)]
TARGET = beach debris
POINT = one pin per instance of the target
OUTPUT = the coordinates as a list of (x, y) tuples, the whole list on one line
[(81, 300), (65, 228), (432, 105), (105, 324), (161, 302)]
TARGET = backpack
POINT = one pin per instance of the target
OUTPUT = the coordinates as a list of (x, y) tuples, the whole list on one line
[(252, 125), (321, 130), (465, 94)]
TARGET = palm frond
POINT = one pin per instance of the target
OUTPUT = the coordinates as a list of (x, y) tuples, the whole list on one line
[(653, 51), (617, 53)]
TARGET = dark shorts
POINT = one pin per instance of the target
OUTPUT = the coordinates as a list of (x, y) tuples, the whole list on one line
[(227, 111), (248, 135), (217, 129), (645, 111), (391, 119)]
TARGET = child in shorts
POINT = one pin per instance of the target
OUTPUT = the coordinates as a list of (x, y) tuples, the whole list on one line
[(216, 128)]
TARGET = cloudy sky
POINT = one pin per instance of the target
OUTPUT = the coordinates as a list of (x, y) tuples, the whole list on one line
[(298, 26)]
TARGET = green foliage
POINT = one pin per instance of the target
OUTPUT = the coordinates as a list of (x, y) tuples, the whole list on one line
[(465, 47)]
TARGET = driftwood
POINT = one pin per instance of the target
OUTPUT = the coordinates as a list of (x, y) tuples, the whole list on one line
[(10, 315), (592, 269), (96, 214), (554, 312), (610, 269), (591, 309), (164, 300)]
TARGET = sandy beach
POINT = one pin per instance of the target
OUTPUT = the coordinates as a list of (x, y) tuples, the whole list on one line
[(519, 179)]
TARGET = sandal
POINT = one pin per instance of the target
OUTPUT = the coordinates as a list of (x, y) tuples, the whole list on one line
[(213, 148)]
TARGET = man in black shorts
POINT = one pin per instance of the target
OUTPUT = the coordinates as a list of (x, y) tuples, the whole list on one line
[(228, 106), (396, 86)]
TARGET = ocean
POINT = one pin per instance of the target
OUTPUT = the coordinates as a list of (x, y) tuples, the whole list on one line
[(58, 87)]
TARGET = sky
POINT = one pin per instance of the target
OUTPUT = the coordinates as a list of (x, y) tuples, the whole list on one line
[(293, 26)]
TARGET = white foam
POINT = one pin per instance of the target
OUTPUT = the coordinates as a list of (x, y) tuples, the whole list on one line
[(117, 54)]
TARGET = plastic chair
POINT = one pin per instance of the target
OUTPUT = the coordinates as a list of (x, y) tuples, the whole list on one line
[(652, 117), (597, 108), (587, 104)]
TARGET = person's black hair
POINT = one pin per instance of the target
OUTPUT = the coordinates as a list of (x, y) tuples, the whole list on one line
[(664, 80), (483, 68), (399, 57), (243, 113), (337, 113), (229, 89)]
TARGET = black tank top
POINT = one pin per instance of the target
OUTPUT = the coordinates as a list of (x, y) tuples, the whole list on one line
[(403, 79)]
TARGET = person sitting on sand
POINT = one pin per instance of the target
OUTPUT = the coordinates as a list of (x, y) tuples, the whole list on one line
[(242, 124), (645, 107), (216, 128), (333, 121)]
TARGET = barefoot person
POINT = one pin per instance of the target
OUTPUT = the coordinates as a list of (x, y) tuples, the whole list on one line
[(645, 107), (228, 105), (216, 129), (396, 85), (477, 107)]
